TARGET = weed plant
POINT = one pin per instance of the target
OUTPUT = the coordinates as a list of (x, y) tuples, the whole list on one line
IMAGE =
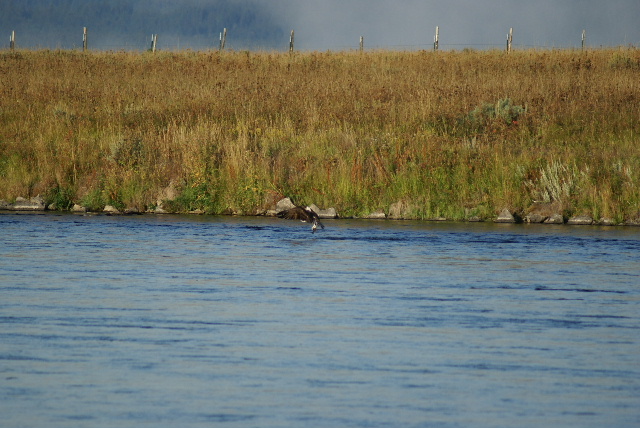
[(447, 134)]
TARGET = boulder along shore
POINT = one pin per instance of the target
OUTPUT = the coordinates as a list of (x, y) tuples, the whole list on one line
[(542, 213)]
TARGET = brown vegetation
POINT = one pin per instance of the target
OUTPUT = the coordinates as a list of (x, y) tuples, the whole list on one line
[(450, 134)]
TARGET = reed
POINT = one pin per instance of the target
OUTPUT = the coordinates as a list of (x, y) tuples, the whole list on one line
[(449, 134)]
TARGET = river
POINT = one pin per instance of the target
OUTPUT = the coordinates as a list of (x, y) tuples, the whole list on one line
[(200, 321)]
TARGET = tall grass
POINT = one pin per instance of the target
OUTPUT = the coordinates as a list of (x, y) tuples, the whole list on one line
[(448, 134)]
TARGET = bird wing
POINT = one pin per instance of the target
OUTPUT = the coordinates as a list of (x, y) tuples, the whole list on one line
[(295, 213)]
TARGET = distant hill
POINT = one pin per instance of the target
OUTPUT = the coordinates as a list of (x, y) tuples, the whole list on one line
[(128, 24)]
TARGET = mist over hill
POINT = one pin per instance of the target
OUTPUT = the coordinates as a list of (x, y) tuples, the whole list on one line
[(127, 24)]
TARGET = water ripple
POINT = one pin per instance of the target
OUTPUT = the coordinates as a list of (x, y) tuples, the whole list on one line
[(193, 321)]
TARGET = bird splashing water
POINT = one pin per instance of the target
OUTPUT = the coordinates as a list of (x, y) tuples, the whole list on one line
[(304, 214)]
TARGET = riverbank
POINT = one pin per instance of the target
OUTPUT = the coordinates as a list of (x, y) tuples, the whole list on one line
[(416, 135), (542, 213)]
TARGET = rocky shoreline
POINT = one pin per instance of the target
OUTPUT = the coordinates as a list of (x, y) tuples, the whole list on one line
[(542, 213)]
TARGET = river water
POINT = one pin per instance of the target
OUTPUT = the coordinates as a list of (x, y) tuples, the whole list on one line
[(198, 321)]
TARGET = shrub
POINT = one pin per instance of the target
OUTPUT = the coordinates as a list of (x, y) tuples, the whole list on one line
[(503, 110), (60, 197)]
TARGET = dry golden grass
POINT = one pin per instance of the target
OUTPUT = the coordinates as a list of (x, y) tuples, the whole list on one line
[(450, 134)]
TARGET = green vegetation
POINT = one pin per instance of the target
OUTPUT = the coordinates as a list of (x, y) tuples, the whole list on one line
[(447, 134)]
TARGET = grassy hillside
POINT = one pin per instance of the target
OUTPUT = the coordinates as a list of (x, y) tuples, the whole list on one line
[(447, 134)]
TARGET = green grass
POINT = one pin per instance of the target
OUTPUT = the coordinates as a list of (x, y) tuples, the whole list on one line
[(447, 134)]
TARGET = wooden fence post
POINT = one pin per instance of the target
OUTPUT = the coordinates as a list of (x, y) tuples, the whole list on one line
[(12, 40), (223, 38), (435, 39), (84, 39), (509, 39), (361, 43), (584, 36), (154, 42), (291, 42)]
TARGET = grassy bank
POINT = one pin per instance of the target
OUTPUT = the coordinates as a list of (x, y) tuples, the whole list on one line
[(448, 134)]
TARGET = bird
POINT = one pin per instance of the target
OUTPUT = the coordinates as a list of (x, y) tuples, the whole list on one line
[(304, 214)]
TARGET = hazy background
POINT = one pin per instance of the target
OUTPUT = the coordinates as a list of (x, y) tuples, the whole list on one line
[(319, 24)]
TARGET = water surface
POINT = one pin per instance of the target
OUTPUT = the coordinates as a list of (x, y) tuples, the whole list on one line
[(171, 321)]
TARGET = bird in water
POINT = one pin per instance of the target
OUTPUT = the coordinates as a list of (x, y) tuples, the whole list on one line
[(304, 214)]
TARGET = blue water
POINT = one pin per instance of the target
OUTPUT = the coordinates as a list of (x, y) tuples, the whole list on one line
[(167, 321)]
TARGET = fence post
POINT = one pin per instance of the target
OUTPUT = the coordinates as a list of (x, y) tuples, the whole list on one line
[(584, 36), (435, 39), (361, 43), (84, 39), (154, 42), (12, 40), (509, 39), (291, 42), (223, 38)]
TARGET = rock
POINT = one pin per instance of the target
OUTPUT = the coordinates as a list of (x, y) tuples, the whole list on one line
[(34, 204), (545, 212), (132, 210), (4, 205), (606, 221), (474, 219), (399, 210), (535, 218), (284, 204), (580, 220), (632, 222), (376, 215), (505, 217), (167, 195), (78, 209), (328, 213), (270, 200), (396, 210), (110, 209), (555, 219)]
